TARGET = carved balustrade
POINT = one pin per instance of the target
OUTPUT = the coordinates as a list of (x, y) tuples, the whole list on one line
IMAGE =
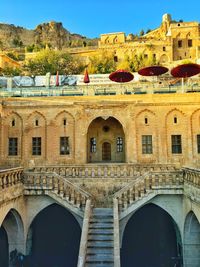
[(41, 183), (10, 177), (192, 176), (104, 170), (147, 183)]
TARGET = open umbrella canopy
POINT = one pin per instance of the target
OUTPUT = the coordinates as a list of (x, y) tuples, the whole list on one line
[(121, 76), (153, 71), (86, 78), (186, 70)]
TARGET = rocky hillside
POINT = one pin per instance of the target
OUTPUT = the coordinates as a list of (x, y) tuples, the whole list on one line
[(51, 33)]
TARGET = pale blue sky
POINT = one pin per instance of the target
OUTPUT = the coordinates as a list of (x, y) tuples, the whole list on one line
[(93, 17)]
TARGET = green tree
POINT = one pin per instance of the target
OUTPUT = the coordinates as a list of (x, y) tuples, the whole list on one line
[(103, 63), (53, 61), (138, 61), (141, 32), (10, 71)]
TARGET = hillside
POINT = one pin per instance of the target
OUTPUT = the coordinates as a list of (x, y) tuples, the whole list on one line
[(51, 33)]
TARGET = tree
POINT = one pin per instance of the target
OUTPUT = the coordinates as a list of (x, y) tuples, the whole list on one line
[(103, 63), (53, 61), (138, 61), (149, 30), (141, 32), (10, 71)]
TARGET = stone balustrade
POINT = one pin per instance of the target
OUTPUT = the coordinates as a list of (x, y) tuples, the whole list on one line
[(40, 183), (146, 183), (192, 176), (10, 177), (144, 179), (115, 170)]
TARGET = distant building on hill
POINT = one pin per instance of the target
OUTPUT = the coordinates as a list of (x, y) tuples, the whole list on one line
[(170, 42)]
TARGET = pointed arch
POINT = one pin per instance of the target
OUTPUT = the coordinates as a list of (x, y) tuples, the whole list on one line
[(63, 114), (191, 241), (155, 224), (14, 228), (105, 140), (54, 223), (36, 114)]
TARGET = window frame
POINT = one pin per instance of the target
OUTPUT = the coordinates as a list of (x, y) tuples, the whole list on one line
[(36, 146), (64, 145), (120, 144), (147, 144), (12, 146), (93, 145), (176, 144), (198, 143)]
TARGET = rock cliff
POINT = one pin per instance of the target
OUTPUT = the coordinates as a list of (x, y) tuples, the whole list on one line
[(51, 33)]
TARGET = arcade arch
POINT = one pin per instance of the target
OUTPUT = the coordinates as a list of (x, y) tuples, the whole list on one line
[(191, 241), (105, 140), (53, 238), (151, 238)]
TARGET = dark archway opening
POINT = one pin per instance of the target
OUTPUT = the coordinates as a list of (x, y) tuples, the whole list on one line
[(4, 257), (55, 238), (150, 240)]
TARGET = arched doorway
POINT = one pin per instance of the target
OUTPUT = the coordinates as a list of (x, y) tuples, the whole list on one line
[(106, 151), (106, 141), (55, 235), (191, 241), (4, 254), (150, 240)]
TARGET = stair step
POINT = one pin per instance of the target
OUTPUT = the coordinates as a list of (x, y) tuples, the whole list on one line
[(100, 237), (104, 220), (100, 244), (101, 225), (94, 264), (92, 251), (101, 231), (102, 211), (100, 258)]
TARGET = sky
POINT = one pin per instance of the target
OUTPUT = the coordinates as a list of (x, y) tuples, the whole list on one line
[(91, 18)]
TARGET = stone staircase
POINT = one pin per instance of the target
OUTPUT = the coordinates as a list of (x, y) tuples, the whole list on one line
[(100, 245)]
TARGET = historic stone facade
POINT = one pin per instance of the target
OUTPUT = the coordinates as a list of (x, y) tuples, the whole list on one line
[(170, 42), (135, 129), (96, 171)]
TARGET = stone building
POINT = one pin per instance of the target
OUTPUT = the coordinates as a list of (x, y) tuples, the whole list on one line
[(100, 180), (170, 42)]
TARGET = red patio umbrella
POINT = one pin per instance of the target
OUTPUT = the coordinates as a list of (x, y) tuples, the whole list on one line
[(153, 71), (86, 78), (121, 76), (57, 79), (185, 70)]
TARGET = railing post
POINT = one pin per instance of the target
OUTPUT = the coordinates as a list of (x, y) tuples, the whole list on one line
[(84, 235), (116, 234)]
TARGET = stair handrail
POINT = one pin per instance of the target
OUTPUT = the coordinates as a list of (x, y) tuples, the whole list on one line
[(148, 182), (191, 175), (116, 233), (84, 235), (56, 183), (130, 185), (11, 176)]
